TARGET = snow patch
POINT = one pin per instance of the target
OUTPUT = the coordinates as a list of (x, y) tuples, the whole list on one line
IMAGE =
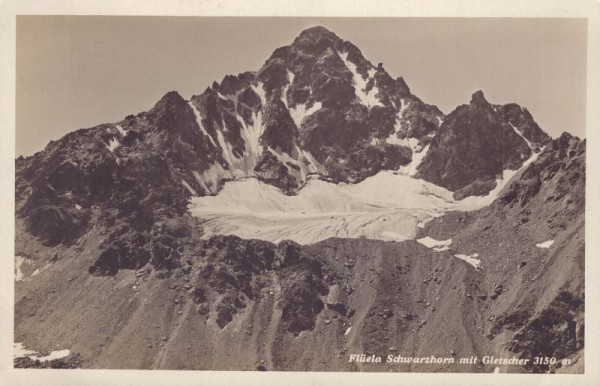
[(251, 136), (77, 206), (418, 155), (471, 259), (54, 355), (23, 268), (120, 129), (113, 144), (436, 245), (314, 166), (199, 121), (239, 166), (421, 224), (21, 351), (403, 106), (234, 98), (348, 330), (19, 262), (476, 202), (394, 140), (209, 179), (369, 98), (545, 244), (225, 148), (440, 121), (260, 91), (398, 125), (299, 112), (284, 158), (393, 137), (189, 188), (528, 142), (290, 76), (418, 151), (305, 163)]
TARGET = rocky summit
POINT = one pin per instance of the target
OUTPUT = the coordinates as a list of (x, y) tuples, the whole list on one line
[(477, 143), (309, 210)]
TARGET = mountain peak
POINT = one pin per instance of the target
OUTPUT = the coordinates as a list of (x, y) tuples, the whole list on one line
[(478, 99), (402, 85), (170, 98), (317, 31), (317, 35)]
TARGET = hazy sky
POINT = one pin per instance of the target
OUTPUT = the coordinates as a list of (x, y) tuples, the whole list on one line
[(80, 71)]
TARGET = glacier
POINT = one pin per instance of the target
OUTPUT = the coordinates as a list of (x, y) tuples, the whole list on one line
[(388, 206)]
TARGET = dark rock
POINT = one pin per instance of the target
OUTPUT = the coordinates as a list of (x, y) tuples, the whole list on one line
[(338, 307), (73, 361), (475, 188), (521, 264), (478, 142)]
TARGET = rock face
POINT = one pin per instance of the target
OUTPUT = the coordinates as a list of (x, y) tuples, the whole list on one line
[(72, 362), (112, 201), (477, 143), (316, 106)]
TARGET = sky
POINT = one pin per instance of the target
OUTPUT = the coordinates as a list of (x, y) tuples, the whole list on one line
[(80, 71)]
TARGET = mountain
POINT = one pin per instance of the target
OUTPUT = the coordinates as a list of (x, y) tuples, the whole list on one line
[(309, 210), (316, 106), (477, 143)]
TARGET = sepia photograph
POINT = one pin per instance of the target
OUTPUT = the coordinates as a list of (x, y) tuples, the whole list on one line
[(300, 194)]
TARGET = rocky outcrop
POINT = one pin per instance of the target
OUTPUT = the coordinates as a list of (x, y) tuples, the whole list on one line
[(71, 362), (560, 169), (237, 272), (477, 142)]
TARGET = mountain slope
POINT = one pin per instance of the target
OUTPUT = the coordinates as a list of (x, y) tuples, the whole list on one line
[(531, 244), (337, 297)]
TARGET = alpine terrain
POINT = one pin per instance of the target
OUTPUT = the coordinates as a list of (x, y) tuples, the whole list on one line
[(311, 215)]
